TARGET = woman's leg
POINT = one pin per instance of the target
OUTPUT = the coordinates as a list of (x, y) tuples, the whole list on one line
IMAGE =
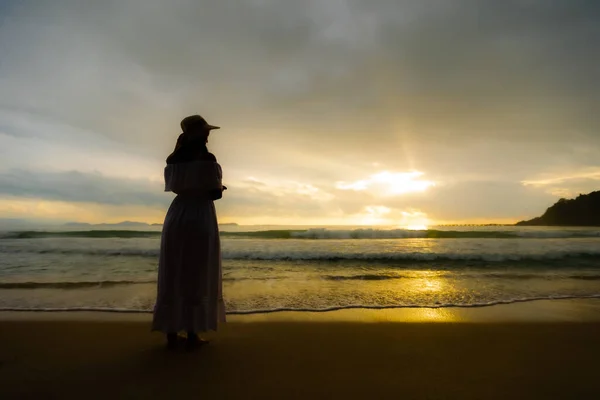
[(193, 340), (171, 340)]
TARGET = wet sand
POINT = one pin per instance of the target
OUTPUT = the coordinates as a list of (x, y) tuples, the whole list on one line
[(278, 357)]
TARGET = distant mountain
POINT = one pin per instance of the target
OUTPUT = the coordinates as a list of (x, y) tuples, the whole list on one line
[(127, 225), (7, 224), (28, 224), (582, 211), (124, 225), (15, 223)]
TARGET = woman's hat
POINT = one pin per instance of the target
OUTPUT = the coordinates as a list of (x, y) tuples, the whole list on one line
[(196, 121)]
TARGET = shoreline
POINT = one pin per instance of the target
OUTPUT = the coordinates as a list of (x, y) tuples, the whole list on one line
[(312, 310), (539, 310)]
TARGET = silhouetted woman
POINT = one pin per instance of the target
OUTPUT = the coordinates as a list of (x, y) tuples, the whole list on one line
[(189, 274)]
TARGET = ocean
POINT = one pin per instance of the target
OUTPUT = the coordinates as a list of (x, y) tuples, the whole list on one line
[(309, 269)]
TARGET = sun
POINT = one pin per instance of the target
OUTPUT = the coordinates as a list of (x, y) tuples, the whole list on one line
[(402, 182), (414, 220), (390, 183), (416, 227)]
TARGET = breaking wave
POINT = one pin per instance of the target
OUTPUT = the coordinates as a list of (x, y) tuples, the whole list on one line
[(67, 285), (322, 233), (328, 256), (354, 277)]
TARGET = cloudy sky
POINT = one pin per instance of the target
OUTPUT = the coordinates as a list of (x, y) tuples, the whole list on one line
[(332, 112)]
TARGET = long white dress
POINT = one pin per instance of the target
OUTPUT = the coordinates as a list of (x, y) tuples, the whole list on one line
[(189, 294)]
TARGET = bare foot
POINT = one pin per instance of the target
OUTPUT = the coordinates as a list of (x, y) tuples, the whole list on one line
[(194, 341)]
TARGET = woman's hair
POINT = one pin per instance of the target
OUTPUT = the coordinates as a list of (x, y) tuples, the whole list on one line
[(188, 148)]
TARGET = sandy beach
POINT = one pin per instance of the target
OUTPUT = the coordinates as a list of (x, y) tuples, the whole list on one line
[(456, 354)]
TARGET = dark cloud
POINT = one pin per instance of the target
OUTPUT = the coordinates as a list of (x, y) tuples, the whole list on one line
[(518, 69), (470, 91), (450, 202), (255, 198), (76, 186)]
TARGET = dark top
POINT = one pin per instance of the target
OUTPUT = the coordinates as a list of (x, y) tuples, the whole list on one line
[(193, 148), (190, 148)]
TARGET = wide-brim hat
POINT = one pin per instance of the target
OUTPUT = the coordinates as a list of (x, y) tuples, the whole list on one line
[(196, 121)]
